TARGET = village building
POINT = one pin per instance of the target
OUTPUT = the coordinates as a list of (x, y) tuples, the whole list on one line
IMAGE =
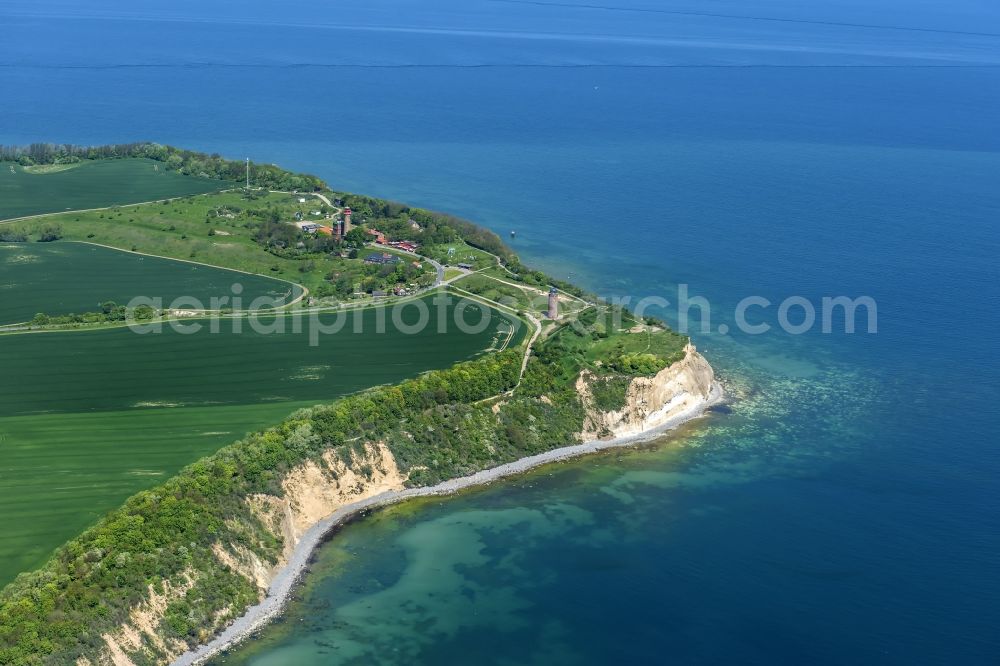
[(338, 230), (308, 227), (381, 258), (407, 246)]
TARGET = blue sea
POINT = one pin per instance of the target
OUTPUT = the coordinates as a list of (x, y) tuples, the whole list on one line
[(845, 506)]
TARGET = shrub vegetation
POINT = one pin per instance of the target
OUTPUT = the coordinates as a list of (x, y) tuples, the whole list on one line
[(444, 424)]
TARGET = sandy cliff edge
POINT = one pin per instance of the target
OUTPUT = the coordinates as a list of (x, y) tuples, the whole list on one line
[(649, 401), (314, 505)]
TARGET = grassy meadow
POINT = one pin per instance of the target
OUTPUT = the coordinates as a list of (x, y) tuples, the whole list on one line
[(619, 333), (520, 298), (67, 277), (92, 184), (215, 229), (92, 416), (460, 252)]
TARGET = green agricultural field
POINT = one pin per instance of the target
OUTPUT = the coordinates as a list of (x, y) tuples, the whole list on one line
[(65, 277), (92, 416), (61, 472), (94, 184)]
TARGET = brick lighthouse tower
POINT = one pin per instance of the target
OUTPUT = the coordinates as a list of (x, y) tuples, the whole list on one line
[(553, 303)]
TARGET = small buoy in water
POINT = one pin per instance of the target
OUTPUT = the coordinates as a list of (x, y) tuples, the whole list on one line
[(513, 233)]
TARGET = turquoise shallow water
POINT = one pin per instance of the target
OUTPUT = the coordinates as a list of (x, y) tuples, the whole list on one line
[(842, 509)]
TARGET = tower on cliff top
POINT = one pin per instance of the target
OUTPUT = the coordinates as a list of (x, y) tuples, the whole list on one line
[(553, 303), (347, 220)]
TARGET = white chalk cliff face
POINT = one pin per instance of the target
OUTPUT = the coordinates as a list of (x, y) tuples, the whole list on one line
[(314, 491), (318, 488), (650, 401)]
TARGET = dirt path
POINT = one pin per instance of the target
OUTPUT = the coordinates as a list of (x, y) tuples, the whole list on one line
[(531, 341), (324, 199), (528, 287), (304, 291)]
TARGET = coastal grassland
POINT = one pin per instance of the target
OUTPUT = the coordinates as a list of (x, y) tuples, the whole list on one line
[(92, 416), (572, 299), (222, 229), (180, 229), (69, 277), (506, 294), (450, 273), (532, 278), (615, 337), (92, 184), (607, 341), (463, 254), (518, 295)]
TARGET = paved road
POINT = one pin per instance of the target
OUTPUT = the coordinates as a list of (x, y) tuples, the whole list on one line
[(327, 201), (438, 267)]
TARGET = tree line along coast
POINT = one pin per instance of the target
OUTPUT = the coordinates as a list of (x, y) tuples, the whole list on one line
[(179, 562)]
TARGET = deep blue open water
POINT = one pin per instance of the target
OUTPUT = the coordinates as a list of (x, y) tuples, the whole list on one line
[(844, 509)]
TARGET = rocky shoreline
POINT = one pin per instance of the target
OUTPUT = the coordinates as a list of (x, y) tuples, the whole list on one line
[(256, 617)]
